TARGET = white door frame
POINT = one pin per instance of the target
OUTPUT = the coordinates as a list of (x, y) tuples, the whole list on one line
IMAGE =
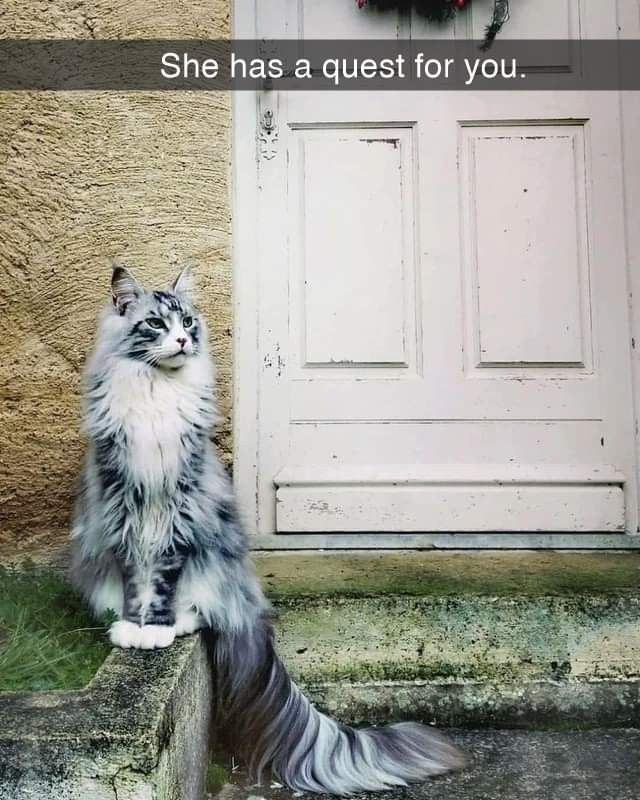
[(246, 399), (629, 25), (245, 273)]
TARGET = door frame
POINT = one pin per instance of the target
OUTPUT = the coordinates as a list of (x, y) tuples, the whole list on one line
[(246, 370), (244, 203), (629, 27)]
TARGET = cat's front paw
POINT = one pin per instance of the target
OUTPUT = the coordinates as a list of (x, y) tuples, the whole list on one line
[(156, 636), (125, 634), (146, 637)]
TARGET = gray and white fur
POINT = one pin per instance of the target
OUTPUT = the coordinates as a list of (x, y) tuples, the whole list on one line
[(157, 539)]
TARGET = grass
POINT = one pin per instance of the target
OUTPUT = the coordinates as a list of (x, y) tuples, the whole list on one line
[(48, 640)]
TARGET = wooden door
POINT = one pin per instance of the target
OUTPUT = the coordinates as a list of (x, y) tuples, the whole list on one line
[(439, 299)]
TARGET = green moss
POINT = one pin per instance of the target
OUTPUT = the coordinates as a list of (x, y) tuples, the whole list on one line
[(217, 776), (431, 671), (47, 638), (289, 576)]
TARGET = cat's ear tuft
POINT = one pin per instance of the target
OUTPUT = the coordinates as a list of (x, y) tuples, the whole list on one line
[(125, 289), (184, 283)]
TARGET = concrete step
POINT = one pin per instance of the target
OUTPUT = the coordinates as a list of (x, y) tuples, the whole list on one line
[(524, 639), (516, 765)]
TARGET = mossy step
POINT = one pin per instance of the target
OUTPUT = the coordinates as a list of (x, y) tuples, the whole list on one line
[(295, 575), (464, 638)]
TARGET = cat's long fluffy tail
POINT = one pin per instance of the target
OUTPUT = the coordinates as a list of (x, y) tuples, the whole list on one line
[(270, 721)]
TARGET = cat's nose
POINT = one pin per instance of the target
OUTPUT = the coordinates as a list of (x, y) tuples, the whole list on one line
[(181, 341)]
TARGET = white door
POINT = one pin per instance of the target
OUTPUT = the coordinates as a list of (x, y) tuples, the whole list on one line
[(437, 284)]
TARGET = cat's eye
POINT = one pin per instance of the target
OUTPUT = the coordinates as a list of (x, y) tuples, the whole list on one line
[(155, 322), (187, 322)]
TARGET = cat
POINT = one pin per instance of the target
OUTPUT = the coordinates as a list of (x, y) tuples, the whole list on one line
[(157, 540)]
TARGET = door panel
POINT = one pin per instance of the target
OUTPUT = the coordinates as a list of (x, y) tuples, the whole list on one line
[(346, 318), (525, 186), (388, 508)]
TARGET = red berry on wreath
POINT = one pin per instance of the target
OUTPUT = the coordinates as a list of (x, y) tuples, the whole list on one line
[(459, 4)]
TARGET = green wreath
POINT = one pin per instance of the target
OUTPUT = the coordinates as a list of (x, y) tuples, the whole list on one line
[(444, 10)]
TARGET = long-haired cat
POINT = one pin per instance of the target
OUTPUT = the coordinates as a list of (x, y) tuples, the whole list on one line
[(158, 540)]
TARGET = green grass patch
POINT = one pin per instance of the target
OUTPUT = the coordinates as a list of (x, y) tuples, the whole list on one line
[(48, 639)]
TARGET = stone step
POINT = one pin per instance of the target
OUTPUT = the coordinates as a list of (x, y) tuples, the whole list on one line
[(531, 639), (514, 765)]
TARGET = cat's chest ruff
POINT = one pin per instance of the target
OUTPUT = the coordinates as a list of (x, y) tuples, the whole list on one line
[(156, 415)]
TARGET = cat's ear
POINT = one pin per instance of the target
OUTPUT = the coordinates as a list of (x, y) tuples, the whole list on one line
[(184, 283), (125, 289)]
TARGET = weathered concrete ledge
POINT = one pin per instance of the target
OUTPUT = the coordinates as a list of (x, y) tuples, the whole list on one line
[(138, 731), (518, 639)]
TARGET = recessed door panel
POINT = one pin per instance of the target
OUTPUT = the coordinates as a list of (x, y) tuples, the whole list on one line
[(353, 268), (526, 186)]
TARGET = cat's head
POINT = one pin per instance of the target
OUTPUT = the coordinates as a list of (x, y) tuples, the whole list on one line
[(160, 327)]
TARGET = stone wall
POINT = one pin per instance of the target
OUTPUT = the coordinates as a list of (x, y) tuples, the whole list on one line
[(86, 177)]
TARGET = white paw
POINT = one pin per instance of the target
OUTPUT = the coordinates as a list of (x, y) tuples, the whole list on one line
[(155, 636), (125, 634), (148, 637), (187, 623)]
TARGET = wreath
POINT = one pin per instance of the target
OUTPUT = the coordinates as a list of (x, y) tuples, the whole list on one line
[(443, 10)]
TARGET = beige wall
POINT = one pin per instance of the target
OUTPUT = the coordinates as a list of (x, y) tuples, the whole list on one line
[(85, 177)]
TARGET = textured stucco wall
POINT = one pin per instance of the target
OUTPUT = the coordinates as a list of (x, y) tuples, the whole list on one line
[(86, 177)]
